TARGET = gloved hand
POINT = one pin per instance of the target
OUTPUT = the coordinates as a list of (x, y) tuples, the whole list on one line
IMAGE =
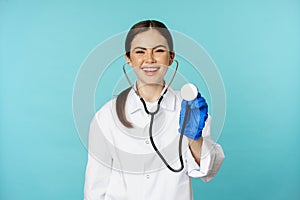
[(195, 119)]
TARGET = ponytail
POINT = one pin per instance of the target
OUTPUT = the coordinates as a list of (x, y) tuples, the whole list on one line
[(120, 108)]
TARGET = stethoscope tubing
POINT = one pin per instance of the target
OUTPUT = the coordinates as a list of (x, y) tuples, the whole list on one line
[(152, 119)]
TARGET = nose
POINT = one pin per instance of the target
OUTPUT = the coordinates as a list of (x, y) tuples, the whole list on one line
[(149, 57)]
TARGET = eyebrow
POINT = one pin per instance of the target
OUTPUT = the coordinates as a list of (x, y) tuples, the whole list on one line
[(153, 47)]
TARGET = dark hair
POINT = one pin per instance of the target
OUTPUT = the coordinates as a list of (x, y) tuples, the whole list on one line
[(135, 30), (145, 26)]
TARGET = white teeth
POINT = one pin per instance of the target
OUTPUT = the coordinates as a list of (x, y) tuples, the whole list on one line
[(150, 69)]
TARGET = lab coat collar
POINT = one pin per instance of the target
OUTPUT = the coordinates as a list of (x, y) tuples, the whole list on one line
[(134, 103)]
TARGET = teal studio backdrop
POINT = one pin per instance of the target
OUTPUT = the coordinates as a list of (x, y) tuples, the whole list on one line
[(255, 44)]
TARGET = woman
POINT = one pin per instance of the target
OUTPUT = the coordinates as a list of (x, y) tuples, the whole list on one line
[(122, 163)]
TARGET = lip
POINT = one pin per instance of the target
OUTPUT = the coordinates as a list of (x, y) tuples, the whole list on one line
[(150, 68), (150, 71)]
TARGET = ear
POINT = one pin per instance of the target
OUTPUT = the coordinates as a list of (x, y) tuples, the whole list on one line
[(128, 60), (172, 56)]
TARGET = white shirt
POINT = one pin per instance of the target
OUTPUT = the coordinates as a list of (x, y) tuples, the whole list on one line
[(122, 164)]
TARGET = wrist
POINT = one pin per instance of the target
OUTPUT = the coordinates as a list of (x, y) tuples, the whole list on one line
[(196, 147)]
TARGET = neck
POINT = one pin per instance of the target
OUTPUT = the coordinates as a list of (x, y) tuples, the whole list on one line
[(150, 92)]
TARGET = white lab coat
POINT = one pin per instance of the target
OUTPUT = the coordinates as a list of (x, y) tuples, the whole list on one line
[(122, 164)]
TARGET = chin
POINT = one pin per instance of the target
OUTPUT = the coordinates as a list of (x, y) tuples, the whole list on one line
[(152, 82)]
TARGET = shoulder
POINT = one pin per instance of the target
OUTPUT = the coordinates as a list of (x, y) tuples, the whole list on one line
[(174, 91), (174, 95), (106, 110)]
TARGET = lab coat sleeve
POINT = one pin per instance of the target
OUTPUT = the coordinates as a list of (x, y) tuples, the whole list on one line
[(211, 159), (98, 168)]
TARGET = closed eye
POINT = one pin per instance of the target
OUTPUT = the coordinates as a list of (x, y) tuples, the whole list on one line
[(139, 52), (160, 50)]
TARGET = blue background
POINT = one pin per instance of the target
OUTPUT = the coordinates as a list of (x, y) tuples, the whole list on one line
[(255, 44)]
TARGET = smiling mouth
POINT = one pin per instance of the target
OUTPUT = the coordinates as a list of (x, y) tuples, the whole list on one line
[(150, 69)]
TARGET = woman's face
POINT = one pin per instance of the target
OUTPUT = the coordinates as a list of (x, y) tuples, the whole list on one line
[(150, 57)]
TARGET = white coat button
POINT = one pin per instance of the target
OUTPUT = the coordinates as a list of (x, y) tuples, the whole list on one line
[(147, 176), (147, 141)]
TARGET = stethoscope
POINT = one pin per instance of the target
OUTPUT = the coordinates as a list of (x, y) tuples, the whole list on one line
[(155, 112)]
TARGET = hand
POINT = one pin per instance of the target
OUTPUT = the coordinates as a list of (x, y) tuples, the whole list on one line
[(196, 117)]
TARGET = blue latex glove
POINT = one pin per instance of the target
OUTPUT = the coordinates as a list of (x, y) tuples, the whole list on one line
[(196, 118)]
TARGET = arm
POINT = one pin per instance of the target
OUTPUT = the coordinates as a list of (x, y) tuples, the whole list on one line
[(98, 168), (196, 148), (205, 157)]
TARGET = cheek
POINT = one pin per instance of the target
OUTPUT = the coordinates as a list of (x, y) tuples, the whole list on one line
[(164, 60), (136, 60)]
